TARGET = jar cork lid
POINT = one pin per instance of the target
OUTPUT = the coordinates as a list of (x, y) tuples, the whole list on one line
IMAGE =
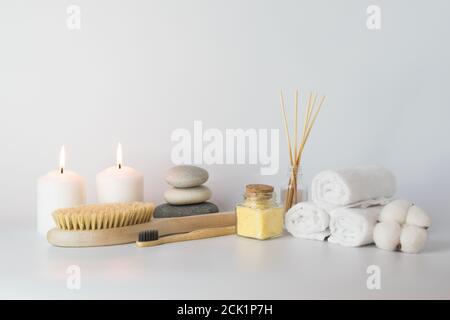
[(258, 189)]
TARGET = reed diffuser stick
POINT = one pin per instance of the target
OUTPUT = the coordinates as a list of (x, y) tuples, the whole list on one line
[(314, 118), (296, 122), (286, 128), (296, 140), (305, 122)]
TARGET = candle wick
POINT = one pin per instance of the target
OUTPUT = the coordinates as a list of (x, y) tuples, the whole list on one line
[(120, 166), (62, 170)]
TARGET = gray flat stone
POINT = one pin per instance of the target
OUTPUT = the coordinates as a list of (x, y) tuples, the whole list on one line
[(182, 196), (185, 176), (166, 210)]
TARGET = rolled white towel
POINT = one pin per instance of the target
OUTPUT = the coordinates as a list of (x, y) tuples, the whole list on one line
[(307, 220), (353, 227), (371, 184)]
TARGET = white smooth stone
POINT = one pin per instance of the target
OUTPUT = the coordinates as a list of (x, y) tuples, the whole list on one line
[(395, 211), (417, 217), (386, 235), (413, 239), (178, 196), (185, 176)]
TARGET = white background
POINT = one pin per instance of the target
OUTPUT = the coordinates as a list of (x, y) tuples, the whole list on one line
[(137, 70)]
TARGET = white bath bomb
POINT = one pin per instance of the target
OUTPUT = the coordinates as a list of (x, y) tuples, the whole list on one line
[(413, 239), (417, 217), (395, 211), (386, 235)]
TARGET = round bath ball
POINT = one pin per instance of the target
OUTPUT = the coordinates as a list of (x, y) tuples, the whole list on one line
[(386, 235), (395, 211), (178, 196), (413, 239), (186, 176), (417, 217)]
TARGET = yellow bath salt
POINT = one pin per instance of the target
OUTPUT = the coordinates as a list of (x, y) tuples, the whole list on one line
[(259, 216)]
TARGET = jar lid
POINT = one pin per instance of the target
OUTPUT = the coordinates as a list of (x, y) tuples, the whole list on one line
[(258, 188)]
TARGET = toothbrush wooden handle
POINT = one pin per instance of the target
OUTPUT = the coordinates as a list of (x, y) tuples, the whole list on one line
[(193, 235)]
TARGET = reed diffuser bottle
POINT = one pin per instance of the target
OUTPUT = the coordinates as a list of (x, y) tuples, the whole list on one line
[(293, 192), (293, 184)]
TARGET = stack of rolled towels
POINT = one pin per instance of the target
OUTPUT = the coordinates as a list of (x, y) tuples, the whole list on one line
[(346, 206)]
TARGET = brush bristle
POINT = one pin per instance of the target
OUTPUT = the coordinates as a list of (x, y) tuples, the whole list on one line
[(103, 216), (148, 235)]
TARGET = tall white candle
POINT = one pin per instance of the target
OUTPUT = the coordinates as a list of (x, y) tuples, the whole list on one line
[(119, 183), (58, 189)]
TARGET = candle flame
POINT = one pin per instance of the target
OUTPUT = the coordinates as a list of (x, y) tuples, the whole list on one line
[(62, 159), (119, 156)]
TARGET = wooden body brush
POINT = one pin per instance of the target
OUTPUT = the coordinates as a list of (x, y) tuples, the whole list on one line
[(112, 224)]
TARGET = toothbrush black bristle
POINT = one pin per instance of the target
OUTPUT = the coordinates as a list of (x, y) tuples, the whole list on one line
[(148, 235)]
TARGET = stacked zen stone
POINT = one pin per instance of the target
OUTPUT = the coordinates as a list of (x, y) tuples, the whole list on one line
[(188, 195)]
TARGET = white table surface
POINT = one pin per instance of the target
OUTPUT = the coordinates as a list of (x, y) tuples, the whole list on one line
[(230, 267)]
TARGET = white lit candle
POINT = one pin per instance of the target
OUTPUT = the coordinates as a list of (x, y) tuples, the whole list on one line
[(119, 183), (58, 189)]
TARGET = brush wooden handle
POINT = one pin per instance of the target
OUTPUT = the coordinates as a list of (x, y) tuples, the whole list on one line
[(193, 235), (114, 236)]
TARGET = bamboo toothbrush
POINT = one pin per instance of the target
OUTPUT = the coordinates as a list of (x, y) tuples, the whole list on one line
[(150, 238)]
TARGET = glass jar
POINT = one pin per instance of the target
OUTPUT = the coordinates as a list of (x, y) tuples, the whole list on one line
[(294, 188), (259, 216)]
